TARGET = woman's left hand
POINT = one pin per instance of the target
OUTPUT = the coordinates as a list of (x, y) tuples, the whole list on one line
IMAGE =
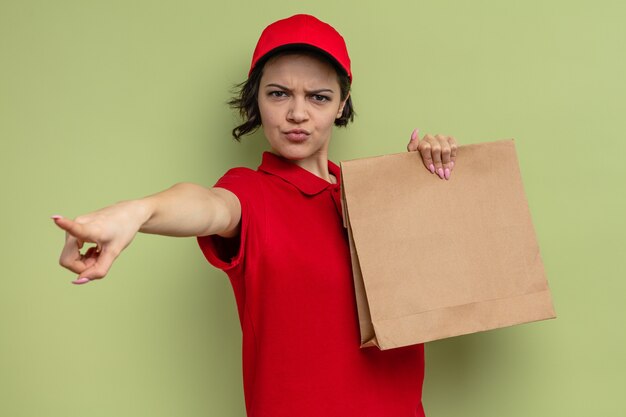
[(438, 152)]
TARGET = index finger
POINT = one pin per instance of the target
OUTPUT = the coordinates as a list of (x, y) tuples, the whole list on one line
[(73, 228), (453, 150)]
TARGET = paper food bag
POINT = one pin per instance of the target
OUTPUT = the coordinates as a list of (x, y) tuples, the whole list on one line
[(435, 258)]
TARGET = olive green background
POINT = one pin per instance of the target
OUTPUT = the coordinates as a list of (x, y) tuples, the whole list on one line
[(102, 101)]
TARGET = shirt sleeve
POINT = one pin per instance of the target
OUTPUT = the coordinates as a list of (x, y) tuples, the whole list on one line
[(229, 253)]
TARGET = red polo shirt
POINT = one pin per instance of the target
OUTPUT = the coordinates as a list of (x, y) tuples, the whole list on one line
[(291, 273)]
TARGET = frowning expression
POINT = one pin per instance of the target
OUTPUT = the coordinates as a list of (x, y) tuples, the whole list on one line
[(299, 100)]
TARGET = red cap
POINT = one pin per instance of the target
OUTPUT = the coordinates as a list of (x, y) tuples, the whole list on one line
[(306, 30)]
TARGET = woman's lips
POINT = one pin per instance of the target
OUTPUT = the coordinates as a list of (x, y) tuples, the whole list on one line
[(297, 135)]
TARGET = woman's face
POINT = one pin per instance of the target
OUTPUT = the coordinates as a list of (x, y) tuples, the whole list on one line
[(299, 100)]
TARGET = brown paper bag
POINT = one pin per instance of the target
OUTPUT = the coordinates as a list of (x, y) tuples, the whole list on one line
[(435, 258)]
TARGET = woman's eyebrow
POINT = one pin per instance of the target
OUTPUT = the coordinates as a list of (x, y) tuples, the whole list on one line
[(282, 87), (322, 90)]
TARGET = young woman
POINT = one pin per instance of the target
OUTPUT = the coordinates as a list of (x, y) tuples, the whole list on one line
[(277, 232)]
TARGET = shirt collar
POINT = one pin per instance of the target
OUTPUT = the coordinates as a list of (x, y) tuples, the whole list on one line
[(305, 181)]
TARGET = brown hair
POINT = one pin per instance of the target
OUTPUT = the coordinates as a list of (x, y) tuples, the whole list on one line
[(245, 100)]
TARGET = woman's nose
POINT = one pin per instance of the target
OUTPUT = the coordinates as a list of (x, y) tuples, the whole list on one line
[(297, 110)]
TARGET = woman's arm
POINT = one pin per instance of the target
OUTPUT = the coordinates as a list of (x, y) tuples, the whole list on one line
[(188, 209), (185, 209)]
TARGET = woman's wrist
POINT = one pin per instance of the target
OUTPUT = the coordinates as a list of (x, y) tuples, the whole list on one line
[(139, 211)]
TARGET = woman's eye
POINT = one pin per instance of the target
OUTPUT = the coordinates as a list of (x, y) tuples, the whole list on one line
[(277, 94), (319, 97)]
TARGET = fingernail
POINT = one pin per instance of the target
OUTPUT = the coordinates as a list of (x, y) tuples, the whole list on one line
[(451, 164), (432, 168), (440, 173), (414, 134), (81, 281), (447, 174), (56, 216)]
